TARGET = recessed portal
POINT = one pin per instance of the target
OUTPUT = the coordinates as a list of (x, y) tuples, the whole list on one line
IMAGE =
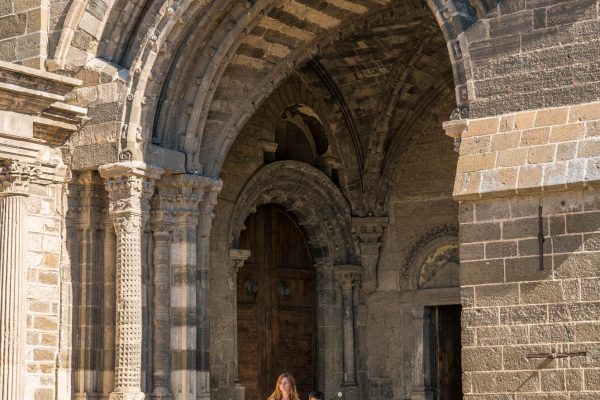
[(276, 304), (442, 339)]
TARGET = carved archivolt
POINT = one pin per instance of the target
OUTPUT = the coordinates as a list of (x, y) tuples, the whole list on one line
[(433, 261), (307, 193)]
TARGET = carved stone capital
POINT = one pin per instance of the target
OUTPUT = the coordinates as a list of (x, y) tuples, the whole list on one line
[(179, 197), (347, 275), (130, 186), (15, 177), (368, 232), (237, 258)]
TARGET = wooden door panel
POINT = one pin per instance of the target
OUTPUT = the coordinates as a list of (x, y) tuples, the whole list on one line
[(448, 350), (276, 323)]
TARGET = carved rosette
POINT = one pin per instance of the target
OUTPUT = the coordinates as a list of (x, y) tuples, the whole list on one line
[(15, 177), (347, 277), (130, 186), (368, 232)]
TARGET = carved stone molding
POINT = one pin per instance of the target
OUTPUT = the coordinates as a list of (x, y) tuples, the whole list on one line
[(307, 193), (41, 100), (347, 276), (438, 236), (16, 176), (368, 232), (207, 207)]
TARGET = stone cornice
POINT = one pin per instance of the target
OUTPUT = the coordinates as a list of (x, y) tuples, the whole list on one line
[(38, 100)]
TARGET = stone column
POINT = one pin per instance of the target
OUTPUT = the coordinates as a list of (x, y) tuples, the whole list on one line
[(14, 182), (161, 313), (109, 304), (421, 373), (130, 186), (347, 276), (184, 192), (211, 191), (237, 258), (368, 231)]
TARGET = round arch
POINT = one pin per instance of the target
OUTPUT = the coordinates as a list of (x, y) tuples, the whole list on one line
[(162, 49), (311, 197)]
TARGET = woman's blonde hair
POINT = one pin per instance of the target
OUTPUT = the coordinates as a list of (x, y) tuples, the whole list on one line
[(278, 395)]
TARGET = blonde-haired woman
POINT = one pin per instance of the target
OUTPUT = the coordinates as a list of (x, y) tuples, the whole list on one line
[(285, 388)]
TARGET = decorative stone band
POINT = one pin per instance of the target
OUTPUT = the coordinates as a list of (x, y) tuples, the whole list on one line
[(530, 151)]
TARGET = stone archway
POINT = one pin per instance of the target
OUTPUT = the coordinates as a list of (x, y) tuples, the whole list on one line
[(324, 215)]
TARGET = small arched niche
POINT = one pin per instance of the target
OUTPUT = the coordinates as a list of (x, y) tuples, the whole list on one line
[(300, 135)]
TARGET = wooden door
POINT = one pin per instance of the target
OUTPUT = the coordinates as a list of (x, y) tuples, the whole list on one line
[(445, 351), (276, 305)]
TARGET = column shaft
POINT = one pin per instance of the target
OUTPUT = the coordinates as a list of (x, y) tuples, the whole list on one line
[(346, 277), (128, 332), (14, 182), (12, 296), (130, 186), (161, 319), (349, 370)]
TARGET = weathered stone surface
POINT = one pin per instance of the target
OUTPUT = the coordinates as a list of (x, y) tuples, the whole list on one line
[(208, 89)]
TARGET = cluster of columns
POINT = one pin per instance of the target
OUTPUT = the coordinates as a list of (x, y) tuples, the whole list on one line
[(174, 206), (177, 209)]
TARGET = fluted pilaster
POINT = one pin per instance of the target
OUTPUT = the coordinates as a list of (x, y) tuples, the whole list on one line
[(130, 186), (14, 181)]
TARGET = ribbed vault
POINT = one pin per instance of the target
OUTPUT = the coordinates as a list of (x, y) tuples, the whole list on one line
[(199, 69)]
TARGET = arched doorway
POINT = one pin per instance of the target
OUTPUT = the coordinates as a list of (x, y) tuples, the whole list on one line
[(276, 304)]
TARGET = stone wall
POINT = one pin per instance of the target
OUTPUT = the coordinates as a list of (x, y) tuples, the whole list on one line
[(421, 201), (544, 149), (513, 309), (45, 235), (532, 54), (24, 32)]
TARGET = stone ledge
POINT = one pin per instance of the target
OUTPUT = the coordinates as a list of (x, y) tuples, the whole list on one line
[(41, 98), (530, 151)]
